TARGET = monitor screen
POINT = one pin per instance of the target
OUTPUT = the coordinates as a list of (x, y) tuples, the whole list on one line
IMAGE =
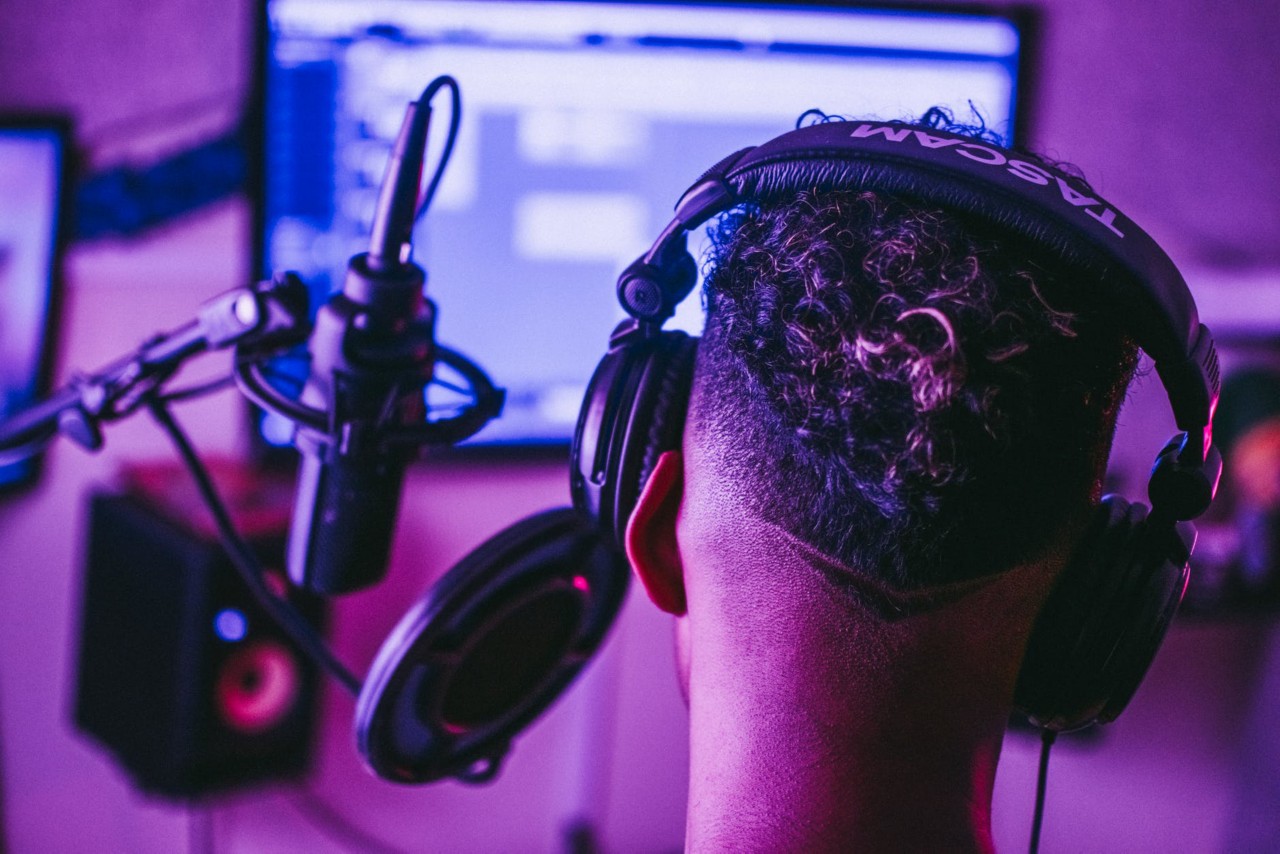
[(582, 124), (33, 158)]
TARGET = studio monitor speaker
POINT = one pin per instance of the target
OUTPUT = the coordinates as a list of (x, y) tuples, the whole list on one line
[(180, 674)]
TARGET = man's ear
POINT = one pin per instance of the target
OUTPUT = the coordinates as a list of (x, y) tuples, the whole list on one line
[(651, 535)]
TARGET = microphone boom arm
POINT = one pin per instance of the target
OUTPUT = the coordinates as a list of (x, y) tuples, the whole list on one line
[(266, 316)]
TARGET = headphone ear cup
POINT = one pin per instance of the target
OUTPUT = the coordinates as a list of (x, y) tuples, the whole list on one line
[(633, 412), (1102, 624)]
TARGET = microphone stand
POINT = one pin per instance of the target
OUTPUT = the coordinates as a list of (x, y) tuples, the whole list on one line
[(262, 319), (259, 321)]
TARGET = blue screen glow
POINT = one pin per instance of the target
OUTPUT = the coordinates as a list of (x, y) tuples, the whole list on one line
[(582, 124)]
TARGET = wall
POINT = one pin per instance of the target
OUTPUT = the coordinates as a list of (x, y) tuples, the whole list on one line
[(1159, 101)]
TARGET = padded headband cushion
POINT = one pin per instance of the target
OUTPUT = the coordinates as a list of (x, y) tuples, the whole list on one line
[(1023, 197)]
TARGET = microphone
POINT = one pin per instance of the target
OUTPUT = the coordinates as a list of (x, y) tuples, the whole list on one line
[(372, 354)]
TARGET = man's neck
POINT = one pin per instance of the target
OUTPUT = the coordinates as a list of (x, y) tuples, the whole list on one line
[(818, 726), (794, 771)]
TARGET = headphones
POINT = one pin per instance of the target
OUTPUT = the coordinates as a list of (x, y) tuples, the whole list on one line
[(497, 640), (1107, 615)]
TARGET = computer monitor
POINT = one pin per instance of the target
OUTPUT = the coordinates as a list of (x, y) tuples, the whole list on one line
[(34, 155), (582, 123)]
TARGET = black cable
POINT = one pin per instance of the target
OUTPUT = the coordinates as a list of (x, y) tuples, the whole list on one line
[(277, 376), (254, 385), (455, 119), (245, 561), (1047, 737), (200, 389)]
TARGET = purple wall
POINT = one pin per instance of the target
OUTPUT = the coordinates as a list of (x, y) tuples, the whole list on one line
[(1166, 105)]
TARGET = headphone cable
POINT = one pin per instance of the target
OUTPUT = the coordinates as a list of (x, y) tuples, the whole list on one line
[(1047, 737), (444, 81)]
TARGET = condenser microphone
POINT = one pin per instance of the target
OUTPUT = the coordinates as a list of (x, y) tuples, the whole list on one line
[(372, 354)]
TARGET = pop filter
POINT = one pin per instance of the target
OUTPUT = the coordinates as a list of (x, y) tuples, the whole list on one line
[(487, 649)]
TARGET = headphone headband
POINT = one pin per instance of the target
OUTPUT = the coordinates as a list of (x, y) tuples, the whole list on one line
[(1113, 602), (968, 175)]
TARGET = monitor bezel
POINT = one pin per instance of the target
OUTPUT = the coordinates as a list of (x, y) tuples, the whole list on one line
[(62, 126)]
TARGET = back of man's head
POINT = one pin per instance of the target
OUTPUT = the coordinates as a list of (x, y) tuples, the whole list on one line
[(916, 395)]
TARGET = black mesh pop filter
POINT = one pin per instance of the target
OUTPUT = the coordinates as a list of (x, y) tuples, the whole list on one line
[(488, 649)]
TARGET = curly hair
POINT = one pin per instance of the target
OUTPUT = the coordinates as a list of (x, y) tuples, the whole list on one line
[(911, 393)]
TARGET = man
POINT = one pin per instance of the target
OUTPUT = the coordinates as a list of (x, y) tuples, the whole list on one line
[(897, 431)]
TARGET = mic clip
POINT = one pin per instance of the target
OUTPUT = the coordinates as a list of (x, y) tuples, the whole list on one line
[(487, 401)]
